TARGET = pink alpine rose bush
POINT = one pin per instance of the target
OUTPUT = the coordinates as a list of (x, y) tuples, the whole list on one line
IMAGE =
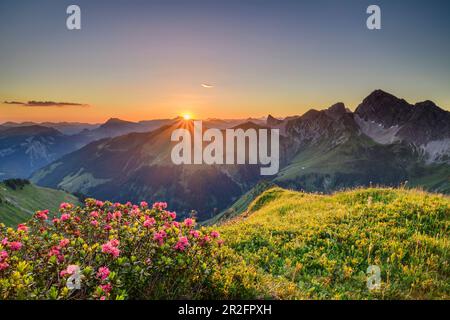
[(118, 251)]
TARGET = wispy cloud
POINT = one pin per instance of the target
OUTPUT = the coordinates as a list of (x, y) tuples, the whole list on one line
[(34, 103)]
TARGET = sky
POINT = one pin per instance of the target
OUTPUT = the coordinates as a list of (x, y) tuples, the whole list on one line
[(150, 59)]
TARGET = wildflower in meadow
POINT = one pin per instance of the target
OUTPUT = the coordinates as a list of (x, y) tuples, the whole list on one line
[(3, 266), (69, 270), (205, 240), (117, 215), (99, 203), (65, 217), (172, 215), (144, 204), (215, 234), (94, 214), (149, 222), (94, 223), (15, 245), (159, 237), (65, 205), (103, 273), (188, 222), (3, 255), (111, 248), (4, 242), (42, 215), (160, 205), (64, 242), (195, 234), (182, 244), (106, 288), (22, 227)]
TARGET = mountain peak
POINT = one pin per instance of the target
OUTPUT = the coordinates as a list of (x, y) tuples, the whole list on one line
[(426, 104), (115, 121), (272, 121), (338, 108), (384, 108)]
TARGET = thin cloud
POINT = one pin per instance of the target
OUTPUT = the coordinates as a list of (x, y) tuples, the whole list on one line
[(34, 103), (207, 86)]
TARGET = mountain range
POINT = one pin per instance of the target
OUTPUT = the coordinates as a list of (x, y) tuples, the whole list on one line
[(385, 141)]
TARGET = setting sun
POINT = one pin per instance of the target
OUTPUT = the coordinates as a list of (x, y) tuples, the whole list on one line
[(187, 116)]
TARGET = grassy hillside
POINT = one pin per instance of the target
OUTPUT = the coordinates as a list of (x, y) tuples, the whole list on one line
[(16, 206), (319, 246)]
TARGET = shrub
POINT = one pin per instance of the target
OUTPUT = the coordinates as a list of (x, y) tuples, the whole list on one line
[(15, 184), (118, 250)]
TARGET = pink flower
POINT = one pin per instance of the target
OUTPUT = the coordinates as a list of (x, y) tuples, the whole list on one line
[(176, 224), (205, 240), (42, 215), (220, 242), (149, 222), (3, 266), (172, 215), (70, 270), (160, 205), (55, 221), (94, 214), (64, 242), (111, 248), (99, 203), (103, 298), (107, 227), (159, 237), (188, 222), (182, 244), (106, 288), (22, 227), (54, 251), (144, 204), (117, 204), (194, 233), (103, 273), (65, 217), (3, 255), (65, 205), (94, 223), (4, 241), (15, 245), (117, 215), (215, 234)]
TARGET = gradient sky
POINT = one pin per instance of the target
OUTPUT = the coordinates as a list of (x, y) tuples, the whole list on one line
[(147, 59)]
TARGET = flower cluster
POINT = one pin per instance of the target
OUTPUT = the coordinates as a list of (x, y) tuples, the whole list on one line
[(117, 250)]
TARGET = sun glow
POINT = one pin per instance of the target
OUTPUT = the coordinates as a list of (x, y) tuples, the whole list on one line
[(187, 116)]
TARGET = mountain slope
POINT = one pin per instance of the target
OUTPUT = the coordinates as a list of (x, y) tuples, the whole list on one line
[(17, 205), (323, 245)]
